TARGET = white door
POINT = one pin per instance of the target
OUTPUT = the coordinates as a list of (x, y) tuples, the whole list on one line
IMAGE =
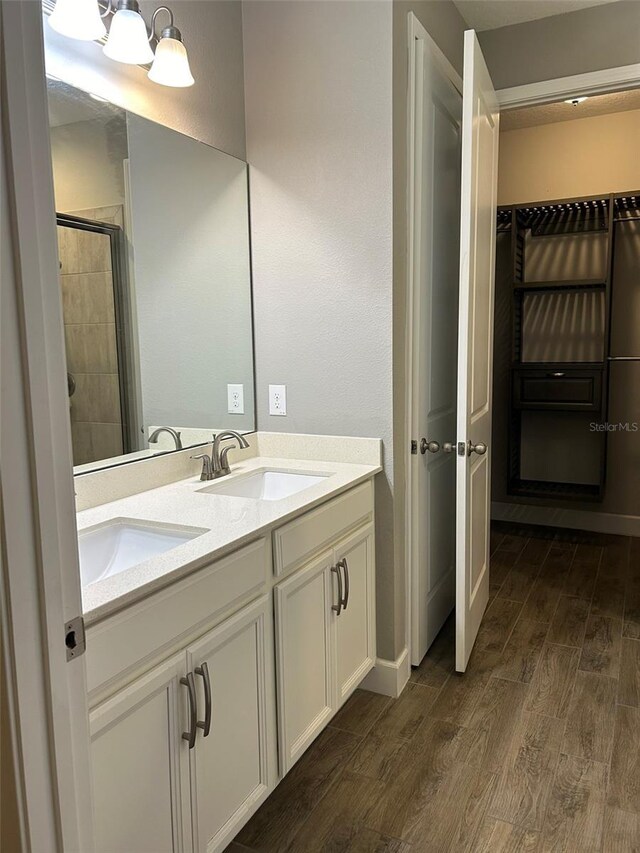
[(436, 125), (233, 762), (141, 765), (480, 120), (355, 624), (40, 575), (305, 655)]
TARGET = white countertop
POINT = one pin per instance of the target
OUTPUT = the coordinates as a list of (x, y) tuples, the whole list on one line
[(230, 521)]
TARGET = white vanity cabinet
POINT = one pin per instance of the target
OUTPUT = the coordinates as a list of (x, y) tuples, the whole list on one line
[(325, 619), (184, 684), (233, 766), (141, 765), (152, 791)]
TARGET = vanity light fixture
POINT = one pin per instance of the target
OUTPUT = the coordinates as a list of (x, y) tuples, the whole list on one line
[(575, 101), (128, 40), (78, 19), (171, 64)]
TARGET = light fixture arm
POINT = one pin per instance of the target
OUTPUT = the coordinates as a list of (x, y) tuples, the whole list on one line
[(170, 31), (107, 9)]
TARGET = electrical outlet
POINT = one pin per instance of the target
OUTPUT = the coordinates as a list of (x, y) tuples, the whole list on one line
[(277, 399), (235, 399)]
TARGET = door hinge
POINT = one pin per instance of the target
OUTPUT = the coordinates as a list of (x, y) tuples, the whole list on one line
[(74, 638), (414, 448)]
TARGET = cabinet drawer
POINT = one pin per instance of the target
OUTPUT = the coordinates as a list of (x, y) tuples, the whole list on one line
[(558, 388), (132, 640), (297, 541)]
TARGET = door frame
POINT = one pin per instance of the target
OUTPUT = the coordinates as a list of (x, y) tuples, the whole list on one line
[(40, 589), (529, 94)]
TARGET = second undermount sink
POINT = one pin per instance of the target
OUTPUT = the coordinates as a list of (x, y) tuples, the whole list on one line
[(265, 485), (121, 543)]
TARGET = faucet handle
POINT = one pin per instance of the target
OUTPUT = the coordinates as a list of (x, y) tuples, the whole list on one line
[(207, 467)]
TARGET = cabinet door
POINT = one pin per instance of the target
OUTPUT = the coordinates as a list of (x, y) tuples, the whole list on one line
[(141, 767), (305, 656), (355, 625), (233, 767)]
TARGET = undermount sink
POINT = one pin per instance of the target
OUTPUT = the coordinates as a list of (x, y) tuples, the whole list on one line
[(119, 544), (265, 485)]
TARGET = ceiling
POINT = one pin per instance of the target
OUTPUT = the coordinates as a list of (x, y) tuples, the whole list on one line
[(491, 14), (615, 102)]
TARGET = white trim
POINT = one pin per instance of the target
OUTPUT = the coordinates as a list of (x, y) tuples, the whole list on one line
[(415, 31), (575, 519), (591, 83), (389, 677), (40, 561)]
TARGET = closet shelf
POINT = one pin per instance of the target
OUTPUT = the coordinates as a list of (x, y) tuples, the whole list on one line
[(555, 491), (557, 219), (552, 286)]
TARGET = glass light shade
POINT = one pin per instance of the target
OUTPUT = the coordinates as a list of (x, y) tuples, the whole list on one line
[(78, 19), (171, 65), (128, 40)]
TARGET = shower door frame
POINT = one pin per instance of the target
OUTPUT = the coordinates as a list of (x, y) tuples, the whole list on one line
[(123, 324)]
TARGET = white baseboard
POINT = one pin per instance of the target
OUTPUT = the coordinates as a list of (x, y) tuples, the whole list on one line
[(389, 677), (577, 519)]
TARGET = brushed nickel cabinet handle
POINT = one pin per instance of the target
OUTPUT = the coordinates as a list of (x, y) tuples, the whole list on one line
[(190, 684), (205, 724), (338, 607), (345, 567)]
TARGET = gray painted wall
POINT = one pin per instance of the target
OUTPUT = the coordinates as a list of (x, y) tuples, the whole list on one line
[(190, 235), (318, 95), (574, 43), (212, 110)]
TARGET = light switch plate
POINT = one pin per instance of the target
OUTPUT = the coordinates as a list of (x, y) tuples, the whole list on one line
[(277, 399), (235, 399)]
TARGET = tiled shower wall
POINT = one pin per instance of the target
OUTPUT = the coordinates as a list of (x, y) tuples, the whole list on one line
[(90, 336)]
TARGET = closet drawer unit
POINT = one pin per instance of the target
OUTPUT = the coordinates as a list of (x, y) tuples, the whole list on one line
[(296, 542), (564, 389)]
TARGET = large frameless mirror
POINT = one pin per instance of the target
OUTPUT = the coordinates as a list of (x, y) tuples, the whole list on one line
[(153, 238)]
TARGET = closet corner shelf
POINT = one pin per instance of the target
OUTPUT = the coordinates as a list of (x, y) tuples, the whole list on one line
[(555, 491), (551, 286)]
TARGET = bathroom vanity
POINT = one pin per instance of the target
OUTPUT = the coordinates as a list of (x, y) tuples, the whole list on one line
[(213, 665), (226, 620)]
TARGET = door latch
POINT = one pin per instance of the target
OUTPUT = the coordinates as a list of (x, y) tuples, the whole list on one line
[(74, 638), (414, 448)]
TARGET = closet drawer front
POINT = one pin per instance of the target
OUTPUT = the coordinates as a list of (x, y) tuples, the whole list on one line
[(557, 388), (297, 541)]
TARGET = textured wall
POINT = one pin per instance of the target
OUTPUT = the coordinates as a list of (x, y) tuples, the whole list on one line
[(570, 159), (211, 111), (574, 43), (319, 141)]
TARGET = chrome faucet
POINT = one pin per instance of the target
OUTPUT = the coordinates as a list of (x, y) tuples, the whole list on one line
[(217, 465), (153, 438)]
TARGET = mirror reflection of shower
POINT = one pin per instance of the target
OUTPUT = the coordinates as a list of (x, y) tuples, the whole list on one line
[(93, 293)]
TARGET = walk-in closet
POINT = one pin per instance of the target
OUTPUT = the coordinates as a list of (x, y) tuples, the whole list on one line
[(566, 410)]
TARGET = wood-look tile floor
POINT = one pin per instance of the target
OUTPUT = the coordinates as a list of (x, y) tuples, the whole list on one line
[(535, 748)]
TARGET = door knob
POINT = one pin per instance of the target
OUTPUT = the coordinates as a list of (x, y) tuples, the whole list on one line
[(480, 448), (448, 446), (431, 446)]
